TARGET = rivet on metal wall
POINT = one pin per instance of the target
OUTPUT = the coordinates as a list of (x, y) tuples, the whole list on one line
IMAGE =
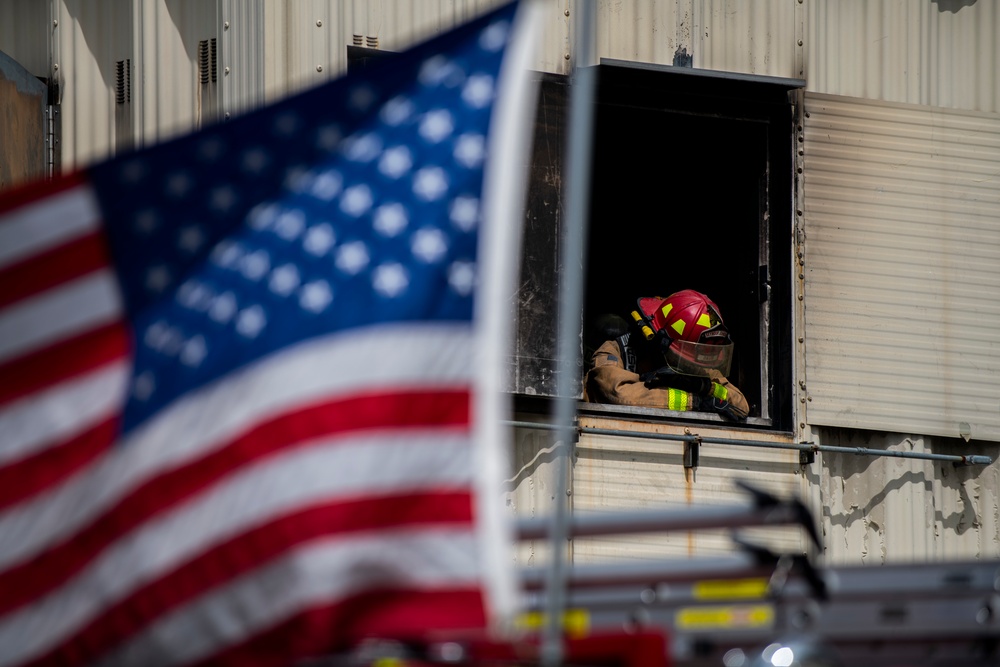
[(319, 68), (566, 56), (800, 297), (566, 12), (55, 23), (225, 26), (800, 42), (319, 23), (226, 71), (55, 66), (801, 339)]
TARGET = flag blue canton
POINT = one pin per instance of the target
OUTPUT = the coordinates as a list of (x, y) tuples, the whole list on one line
[(354, 204)]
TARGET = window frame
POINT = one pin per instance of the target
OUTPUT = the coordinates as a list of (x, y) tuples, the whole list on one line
[(709, 95)]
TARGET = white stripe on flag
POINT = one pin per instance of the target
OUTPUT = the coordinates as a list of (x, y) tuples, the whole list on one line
[(60, 313), (47, 223), (319, 573), (419, 355), (33, 423), (504, 189), (339, 469)]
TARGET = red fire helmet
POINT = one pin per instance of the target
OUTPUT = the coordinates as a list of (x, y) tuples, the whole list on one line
[(698, 339)]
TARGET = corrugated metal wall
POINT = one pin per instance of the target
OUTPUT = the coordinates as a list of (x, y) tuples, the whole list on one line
[(902, 259), (613, 473), (167, 54), (935, 52), (24, 33), (88, 42), (942, 53), (881, 510)]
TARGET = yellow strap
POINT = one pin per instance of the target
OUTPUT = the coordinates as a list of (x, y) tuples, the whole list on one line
[(678, 400), (720, 392)]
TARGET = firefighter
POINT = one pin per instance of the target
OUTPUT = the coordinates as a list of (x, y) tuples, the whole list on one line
[(676, 357)]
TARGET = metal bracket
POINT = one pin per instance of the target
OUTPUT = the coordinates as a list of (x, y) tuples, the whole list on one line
[(692, 453)]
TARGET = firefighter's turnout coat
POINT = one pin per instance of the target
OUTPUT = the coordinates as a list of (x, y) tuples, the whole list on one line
[(611, 381)]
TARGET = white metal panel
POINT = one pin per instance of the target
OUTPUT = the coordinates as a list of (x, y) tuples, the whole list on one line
[(759, 37), (242, 54), (90, 38), (892, 510), (531, 487), (902, 262), (306, 40), (25, 26), (615, 473), (168, 40), (936, 52)]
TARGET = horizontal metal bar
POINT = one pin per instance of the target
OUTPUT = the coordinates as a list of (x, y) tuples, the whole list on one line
[(958, 459), (649, 521), (654, 572)]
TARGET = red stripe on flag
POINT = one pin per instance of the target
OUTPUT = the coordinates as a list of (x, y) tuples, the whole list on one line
[(63, 361), (393, 614), (250, 550), (54, 267), (29, 192), (33, 474), (49, 569)]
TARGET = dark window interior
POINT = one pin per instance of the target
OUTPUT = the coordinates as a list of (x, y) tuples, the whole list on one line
[(692, 188)]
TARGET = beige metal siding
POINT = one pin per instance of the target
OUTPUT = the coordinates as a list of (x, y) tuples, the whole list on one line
[(937, 52), (168, 56), (242, 55), (757, 37), (614, 473), (902, 264), (882, 510), (25, 26)]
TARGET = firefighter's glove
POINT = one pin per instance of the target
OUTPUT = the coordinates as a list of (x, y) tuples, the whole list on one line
[(723, 408), (661, 377), (665, 376)]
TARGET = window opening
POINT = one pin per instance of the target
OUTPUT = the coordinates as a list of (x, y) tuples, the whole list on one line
[(692, 189)]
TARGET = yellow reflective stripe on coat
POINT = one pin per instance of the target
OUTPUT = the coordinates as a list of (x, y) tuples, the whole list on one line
[(720, 392), (678, 400)]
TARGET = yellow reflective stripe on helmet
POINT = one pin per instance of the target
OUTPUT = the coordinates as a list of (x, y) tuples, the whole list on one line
[(720, 392), (705, 320), (678, 326), (666, 309), (678, 400)]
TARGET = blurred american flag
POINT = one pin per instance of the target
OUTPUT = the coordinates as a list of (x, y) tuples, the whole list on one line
[(238, 379)]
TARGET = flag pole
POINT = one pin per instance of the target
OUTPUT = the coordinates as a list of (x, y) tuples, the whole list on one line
[(578, 155)]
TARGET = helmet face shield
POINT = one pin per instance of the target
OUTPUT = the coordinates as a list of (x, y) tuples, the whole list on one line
[(689, 358)]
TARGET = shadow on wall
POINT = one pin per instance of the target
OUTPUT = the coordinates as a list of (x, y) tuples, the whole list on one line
[(953, 6), (107, 29), (858, 488)]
